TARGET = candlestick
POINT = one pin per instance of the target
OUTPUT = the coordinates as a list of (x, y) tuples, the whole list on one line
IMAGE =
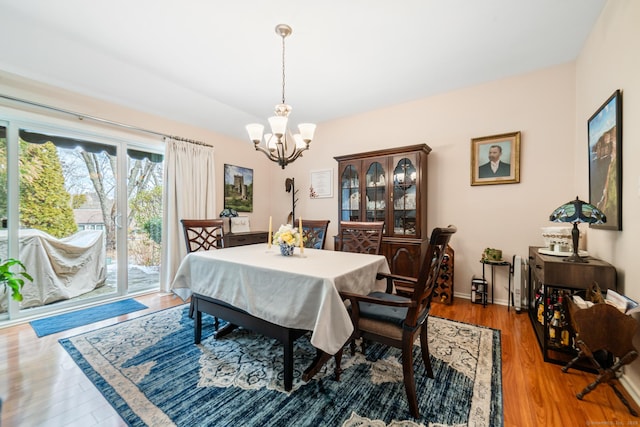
[(270, 235), (301, 238)]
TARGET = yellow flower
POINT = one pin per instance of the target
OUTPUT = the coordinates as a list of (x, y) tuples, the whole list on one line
[(287, 234)]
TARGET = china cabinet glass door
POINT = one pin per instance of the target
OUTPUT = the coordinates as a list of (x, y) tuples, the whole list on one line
[(375, 193), (404, 196), (350, 194)]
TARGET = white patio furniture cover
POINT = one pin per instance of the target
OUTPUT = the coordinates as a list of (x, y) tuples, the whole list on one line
[(61, 268)]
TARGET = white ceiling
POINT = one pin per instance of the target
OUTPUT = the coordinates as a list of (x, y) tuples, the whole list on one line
[(217, 64)]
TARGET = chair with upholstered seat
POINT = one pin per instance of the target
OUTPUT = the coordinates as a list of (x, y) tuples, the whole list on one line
[(396, 321), (203, 235), (314, 233), (361, 237)]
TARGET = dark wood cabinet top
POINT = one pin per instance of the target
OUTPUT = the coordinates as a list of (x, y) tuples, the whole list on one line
[(553, 270)]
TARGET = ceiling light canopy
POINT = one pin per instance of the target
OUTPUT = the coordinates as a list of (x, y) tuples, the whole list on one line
[(281, 146)]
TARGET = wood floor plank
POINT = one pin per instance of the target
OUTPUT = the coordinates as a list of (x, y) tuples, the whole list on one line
[(40, 385)]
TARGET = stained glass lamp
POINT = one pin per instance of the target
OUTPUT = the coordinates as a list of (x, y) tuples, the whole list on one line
[(577, 211)]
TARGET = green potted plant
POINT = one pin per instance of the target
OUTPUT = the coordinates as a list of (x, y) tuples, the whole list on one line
[(13, 280)]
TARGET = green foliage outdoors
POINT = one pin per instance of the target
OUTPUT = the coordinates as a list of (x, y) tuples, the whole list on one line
[(45, 204), (153, 228), (146, 210), (15, 281), (77, 200)]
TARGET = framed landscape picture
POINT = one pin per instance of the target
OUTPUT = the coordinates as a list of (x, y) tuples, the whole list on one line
[(495, 159), (238, 188), (605, 161)]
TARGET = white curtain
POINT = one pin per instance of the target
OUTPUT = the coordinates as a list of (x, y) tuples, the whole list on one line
[(189, 192)]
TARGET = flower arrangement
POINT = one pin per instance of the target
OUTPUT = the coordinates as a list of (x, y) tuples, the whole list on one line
[(287, 235)]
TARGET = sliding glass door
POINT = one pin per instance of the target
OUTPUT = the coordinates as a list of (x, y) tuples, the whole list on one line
[(87, 224)]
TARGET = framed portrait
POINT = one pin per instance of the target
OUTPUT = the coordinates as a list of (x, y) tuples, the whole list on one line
[(321, 184), (238, 188), (495, 159), (605, 161)]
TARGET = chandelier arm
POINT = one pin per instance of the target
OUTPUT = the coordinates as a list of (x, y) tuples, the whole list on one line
[(297, 153), (266, 152)]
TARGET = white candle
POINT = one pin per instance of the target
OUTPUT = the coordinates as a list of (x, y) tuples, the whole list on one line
[(301, 239), (270, 235)]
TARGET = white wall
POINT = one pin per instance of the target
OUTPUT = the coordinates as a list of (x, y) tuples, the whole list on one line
[(610, 60), (541, 105)]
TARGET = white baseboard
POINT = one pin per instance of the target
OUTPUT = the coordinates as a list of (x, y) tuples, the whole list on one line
[(633, 390)]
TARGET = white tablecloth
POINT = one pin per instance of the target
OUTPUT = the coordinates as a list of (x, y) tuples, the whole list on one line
[(295, 292), (61, 268)]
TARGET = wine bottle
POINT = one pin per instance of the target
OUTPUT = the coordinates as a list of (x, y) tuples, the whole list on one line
[(555, 327), (540, 303)]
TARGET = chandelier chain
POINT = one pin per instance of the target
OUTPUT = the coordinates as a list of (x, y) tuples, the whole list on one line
[(283, 76)]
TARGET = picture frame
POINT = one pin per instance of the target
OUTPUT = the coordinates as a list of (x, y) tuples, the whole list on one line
[(238, 188), (505, 150), (604, 133), (321, 184)]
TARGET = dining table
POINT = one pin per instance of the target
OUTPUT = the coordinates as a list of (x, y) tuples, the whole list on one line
[(256, 283)]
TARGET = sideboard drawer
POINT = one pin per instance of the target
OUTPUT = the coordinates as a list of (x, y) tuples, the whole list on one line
[(248, 238)]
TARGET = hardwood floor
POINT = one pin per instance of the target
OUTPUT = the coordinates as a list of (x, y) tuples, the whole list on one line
[(41, 386)]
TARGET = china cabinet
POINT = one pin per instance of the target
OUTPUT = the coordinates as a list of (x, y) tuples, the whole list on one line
[(389, 185)]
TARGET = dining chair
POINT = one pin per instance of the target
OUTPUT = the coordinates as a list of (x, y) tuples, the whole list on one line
[(361, 237), (396, 321), (314, 232), (203, 235)]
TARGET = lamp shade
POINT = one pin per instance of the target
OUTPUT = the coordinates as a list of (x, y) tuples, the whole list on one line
[(255, 131), (577, 211)]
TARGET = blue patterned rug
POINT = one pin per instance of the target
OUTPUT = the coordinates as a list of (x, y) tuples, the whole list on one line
[(151, 372), (74, 319)]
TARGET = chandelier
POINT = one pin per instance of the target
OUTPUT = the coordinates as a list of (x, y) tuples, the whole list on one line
[(281, 146)]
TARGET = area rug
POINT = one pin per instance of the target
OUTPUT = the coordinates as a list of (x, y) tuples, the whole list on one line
[(151, 372), (74, 319)]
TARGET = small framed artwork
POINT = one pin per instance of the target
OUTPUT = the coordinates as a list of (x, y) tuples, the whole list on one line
[(605, 161), (321, 184), (495, 159), (238, 188)]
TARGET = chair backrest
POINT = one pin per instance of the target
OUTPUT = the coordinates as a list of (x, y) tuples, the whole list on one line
[(315, 232), (361, 237), (203, 234), (427, 278)]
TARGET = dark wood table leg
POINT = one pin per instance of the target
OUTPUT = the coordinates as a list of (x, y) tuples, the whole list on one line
[(288, 365), (317, 364), (225, 330), (197, 326)]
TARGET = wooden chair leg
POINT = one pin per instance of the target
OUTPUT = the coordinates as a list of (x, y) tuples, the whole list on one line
[(424, 346), (409, 381), (338, 359)]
